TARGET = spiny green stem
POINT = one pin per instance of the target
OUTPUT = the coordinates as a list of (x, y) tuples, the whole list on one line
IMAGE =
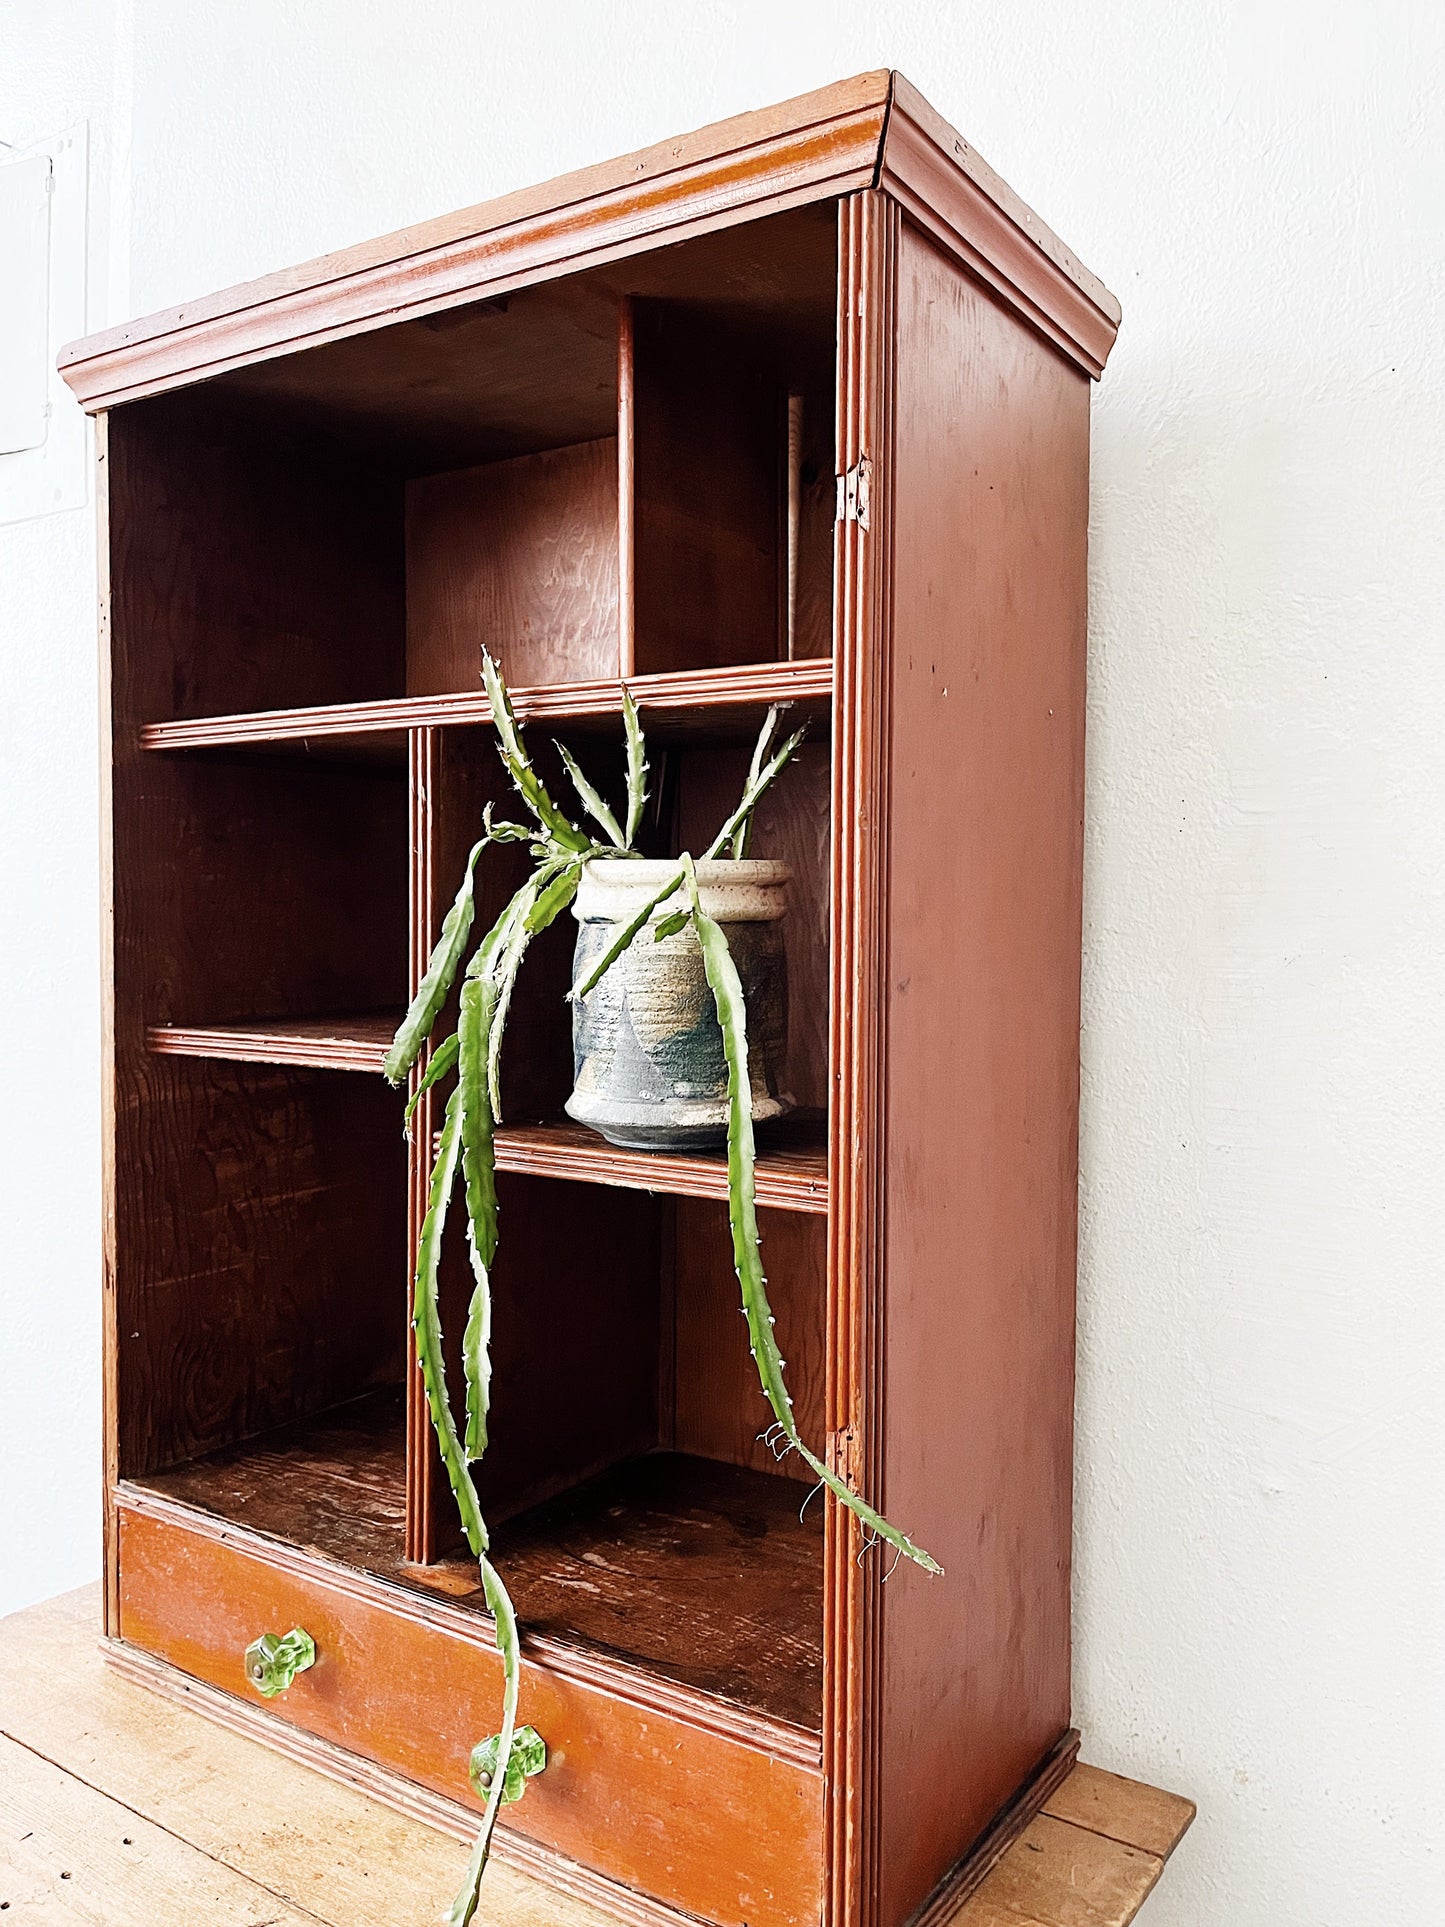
[(636, 767), (623, 940), (499, 1603), (742, 836), (441, 969), (438, 1064), (518, 764), (591, 801), (727, 990), (427, 1324), (753, 793), (474, 1025)]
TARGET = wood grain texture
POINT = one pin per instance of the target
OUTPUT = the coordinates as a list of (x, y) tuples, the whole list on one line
[(702, 1822), (249, 568), (626, 488), (666, 1562), (791, 1171), (720, 1410), (262, 1263), (709, 438), (1000, 1836), (69, 1854), (1136, 1815), (950, 190), (1057, 1875), (336, 1043), (520, 557), (985, 732), (852, 1596), (486, 383), (574, 1336), (325, 1847)]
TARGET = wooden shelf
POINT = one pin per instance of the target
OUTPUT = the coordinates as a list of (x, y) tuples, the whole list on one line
[(322, 1043), (792, 1165), (665, 1561), (698, 699)]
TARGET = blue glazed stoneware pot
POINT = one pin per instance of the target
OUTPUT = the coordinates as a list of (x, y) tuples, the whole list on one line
[(647, 1049)]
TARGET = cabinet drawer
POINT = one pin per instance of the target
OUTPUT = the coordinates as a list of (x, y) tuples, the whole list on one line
[(681, 1811)]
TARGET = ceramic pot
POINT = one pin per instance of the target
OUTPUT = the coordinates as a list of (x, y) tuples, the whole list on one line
[(647, 1049)]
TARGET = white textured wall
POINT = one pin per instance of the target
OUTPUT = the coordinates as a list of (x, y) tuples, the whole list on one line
[(1261, 1542)]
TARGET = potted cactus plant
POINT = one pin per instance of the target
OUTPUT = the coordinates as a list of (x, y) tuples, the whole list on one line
[(693, 941)]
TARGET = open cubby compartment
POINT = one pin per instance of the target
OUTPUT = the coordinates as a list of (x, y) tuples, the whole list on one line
[(622, 472), (634, 1506), (266, 894), (263, 1213), (697, 772)]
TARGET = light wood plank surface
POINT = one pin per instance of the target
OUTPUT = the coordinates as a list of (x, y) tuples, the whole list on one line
[(121, 1808)]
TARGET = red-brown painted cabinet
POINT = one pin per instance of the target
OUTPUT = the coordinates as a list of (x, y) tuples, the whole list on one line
[(791, 410)]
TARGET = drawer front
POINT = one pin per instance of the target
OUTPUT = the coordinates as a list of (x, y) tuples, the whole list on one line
[(691, 1817)]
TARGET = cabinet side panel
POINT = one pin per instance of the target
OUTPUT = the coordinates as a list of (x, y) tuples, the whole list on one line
[(985, 807)]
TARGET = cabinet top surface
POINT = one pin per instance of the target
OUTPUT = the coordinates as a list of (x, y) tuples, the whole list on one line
[(875, 129)]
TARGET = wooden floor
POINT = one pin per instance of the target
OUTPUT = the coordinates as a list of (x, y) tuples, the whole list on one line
[(120, 1808)]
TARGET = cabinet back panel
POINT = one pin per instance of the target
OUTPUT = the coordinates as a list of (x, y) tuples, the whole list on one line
[(519, 557), (709, 438), (720, 1411), (575, 1317), (249, 569), (261, 1258), (259, 888)]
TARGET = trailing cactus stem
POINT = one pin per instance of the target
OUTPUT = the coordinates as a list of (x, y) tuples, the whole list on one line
[(431, 993), (727, 990), (743, 835), (518, 765), (499, 1603), (474, 1026), (753, 793), (636, 768), (427, 1324), (438, 1064), (590, 800), (623, 940)]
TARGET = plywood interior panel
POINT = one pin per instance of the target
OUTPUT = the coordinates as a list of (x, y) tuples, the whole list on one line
[(261, 1222), (519, 557), (536, 368), (709, 436), (262, 888), (250, 569), (719, 1408), (981, 1092), (574, 1335)]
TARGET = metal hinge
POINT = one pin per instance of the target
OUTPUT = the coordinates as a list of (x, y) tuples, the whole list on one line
[(853, 492)]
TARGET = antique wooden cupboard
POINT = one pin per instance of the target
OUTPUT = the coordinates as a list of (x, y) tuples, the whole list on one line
[(792, 409)]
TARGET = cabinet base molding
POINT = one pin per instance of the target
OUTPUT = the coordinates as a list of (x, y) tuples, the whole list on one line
[(970, 1872)]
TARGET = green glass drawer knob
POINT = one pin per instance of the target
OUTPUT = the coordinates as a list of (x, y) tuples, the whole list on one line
[(526, 1760), (272, 1663)]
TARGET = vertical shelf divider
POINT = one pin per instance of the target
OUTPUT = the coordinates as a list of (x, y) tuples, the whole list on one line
[(423, 751), (626, 443)]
